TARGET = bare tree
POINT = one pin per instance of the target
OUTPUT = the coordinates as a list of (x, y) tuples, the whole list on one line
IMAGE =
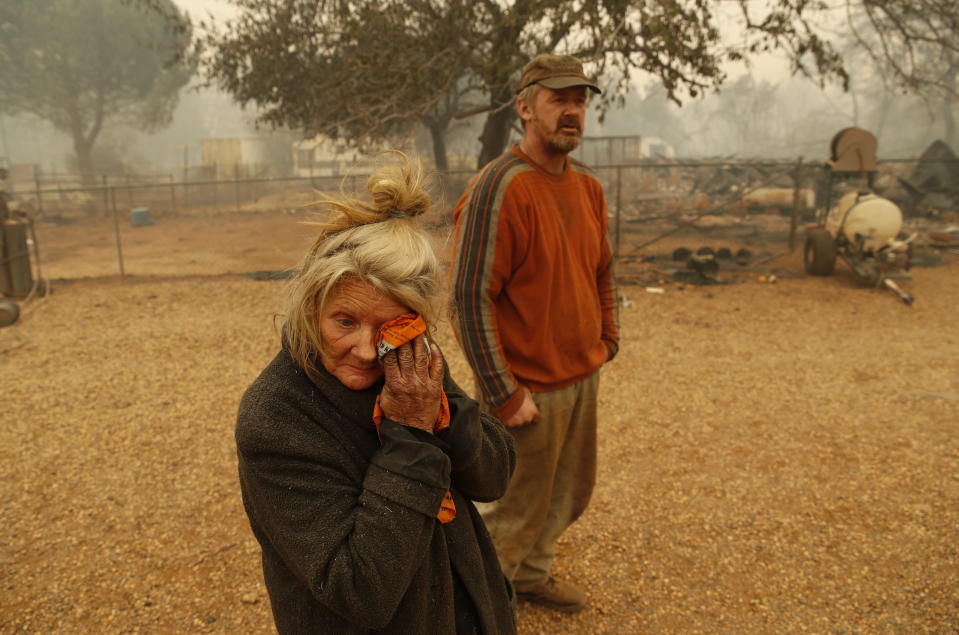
[(916, 43), (365, 67), (84, 64), (915, 46), (357, 70)]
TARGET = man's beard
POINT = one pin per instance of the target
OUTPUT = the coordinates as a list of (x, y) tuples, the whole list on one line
[(556, 140), (563, 144)]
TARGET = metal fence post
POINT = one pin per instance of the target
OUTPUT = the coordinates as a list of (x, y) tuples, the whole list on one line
[(216, 186), (39, 196), (236, 185), (116, 229), (619, 210), (106, 196), (172, 195), (797, 195)]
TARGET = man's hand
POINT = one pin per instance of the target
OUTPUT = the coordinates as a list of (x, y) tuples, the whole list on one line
[(609, 350), (528, 412), (413, 387)]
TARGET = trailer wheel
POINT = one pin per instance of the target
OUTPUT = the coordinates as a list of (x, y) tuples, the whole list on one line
[(9, 312), (819, 255)]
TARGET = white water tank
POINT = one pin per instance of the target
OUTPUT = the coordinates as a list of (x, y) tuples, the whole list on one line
[(874, 218)]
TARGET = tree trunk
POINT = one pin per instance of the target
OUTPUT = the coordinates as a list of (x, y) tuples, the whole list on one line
[(945, 107), (949, 123), (438, 136), (496, 129), (948, 117), (855, 104), (85, 136), (882, 115), (84, 152)]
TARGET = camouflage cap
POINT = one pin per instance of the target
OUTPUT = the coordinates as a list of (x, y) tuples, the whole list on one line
[(556, 72)]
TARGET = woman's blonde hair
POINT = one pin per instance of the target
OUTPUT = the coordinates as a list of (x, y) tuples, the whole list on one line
[(377, 242)]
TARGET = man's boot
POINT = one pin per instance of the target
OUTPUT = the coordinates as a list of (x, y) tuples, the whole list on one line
[(558, 595)]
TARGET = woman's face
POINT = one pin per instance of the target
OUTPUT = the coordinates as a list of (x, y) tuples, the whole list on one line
[(349, 323)]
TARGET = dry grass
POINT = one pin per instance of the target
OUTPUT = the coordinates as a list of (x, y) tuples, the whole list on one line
[(774, 457)]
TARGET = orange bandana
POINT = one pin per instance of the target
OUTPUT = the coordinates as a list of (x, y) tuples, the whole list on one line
[(392, 335), (399, 331)]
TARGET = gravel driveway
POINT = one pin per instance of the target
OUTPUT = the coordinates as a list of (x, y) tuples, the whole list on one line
[(774, 458)]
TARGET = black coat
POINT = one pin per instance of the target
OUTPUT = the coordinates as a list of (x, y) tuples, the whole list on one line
[(347, 523)]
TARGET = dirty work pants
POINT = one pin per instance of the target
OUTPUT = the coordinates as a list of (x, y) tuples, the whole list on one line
[(551, 486)]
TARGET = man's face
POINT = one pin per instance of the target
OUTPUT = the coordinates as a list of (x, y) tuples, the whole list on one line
[(555, 118)]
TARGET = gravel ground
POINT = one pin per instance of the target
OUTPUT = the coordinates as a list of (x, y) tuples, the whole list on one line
[(774, 457)]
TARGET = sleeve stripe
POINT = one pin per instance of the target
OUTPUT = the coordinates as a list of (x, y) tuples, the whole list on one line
[(477, 247)]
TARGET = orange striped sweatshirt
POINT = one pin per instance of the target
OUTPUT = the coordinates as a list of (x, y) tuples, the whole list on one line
[(532, 282)]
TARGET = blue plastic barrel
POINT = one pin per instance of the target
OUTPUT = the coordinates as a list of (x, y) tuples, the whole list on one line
[(140, 216)]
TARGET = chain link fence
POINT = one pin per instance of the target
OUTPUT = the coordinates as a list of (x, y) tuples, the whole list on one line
[(170, 227)]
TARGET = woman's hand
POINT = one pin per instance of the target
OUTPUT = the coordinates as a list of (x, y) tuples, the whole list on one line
[(413, 387)]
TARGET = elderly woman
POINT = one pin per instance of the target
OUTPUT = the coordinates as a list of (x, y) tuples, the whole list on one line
[(358, 466)]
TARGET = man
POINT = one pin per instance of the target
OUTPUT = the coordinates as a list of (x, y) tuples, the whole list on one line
[(533, 294)]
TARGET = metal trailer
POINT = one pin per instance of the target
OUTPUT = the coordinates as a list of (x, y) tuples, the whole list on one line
[(859, 226), (16, 277)]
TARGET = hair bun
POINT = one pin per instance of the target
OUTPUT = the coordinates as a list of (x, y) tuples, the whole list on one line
[(398, 190)]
